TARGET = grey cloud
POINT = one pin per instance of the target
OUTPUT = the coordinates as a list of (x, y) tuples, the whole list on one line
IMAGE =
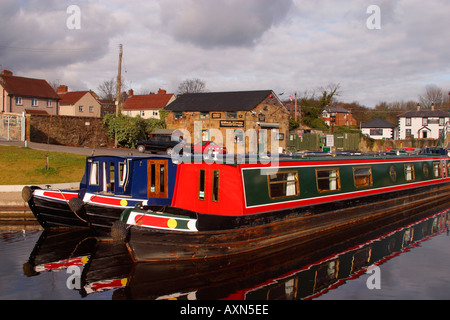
[(222, 23), (38, 37)]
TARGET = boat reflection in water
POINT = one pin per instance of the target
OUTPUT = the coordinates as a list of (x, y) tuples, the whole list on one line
[(303, 272)]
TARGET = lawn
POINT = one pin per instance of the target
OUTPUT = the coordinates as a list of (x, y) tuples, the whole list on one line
[(24, 166)]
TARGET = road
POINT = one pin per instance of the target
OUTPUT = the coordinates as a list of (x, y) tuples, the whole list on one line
[(76, 150)]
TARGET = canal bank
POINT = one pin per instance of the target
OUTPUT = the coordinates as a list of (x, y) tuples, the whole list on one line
[(14, 212)]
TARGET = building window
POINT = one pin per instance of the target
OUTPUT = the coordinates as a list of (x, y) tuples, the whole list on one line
[(178, 116), (328, 180), (424, 121), (409, 172), (49, 103), (204, 115), (362, 177), (283, 185), (80, 108), (34, 102), (18, 101), (376, 132), (408, 133), (441, 121), (408, 121), (231, 115), (91, 109), (155, 113), (142, 113)]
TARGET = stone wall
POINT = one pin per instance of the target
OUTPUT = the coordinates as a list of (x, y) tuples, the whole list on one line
[(67, 130)]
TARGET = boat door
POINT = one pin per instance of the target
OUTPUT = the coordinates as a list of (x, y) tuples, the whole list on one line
[(157, 179), (114, 175)]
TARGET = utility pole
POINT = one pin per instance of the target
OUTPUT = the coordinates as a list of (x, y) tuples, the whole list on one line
[(119, 86), (119, 81)]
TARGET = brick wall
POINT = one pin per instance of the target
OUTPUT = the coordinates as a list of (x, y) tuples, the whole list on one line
[(67, 130)]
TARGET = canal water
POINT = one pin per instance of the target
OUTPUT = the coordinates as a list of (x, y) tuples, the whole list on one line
[(408, 259)]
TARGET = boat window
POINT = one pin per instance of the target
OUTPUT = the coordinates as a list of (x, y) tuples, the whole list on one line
[(162, 186), (283, 184), (363, 177), (426, 170), (393, 173), (105, 182), (215, 186), (409, 172), (122, 173), (112, 176), (437, 169), (201, 185), (328, 180), (94, 176), (153, 178)]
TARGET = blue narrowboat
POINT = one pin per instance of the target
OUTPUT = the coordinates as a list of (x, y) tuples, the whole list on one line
[(110, 184)]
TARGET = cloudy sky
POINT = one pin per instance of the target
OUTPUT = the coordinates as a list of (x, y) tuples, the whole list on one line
[(283, 45)]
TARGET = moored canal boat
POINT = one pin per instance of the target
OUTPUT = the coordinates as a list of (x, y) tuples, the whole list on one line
[(224, 210), (109, 185)]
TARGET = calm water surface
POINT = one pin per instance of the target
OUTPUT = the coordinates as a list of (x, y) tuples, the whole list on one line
[(413, 259)]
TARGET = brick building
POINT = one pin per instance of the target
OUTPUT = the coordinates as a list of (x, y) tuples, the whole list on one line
[(244, 120)]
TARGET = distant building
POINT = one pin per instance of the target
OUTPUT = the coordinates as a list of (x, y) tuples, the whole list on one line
[(336, 116), (33, 96), (78, 103), (422, 123), (146, 106), (379, 129), (233, 113)]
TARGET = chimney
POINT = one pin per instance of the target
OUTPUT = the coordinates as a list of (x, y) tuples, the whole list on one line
[(62, 89), (130, 93), (418, 107), (161, 91), (432, 107), (7, 73)]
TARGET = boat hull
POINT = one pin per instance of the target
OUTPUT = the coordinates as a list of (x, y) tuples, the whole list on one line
[(51, 208), (266, 233)]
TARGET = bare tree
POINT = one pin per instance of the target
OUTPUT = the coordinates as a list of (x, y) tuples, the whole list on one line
[(192, 86), (433, 95), (107, 89)]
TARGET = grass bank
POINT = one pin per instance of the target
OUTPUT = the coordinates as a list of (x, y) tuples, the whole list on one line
[(24, 166)]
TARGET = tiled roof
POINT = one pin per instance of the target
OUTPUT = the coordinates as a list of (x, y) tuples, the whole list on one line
[(378, 123), (219, 101), (336, 108), (27, 87), (424, 114), (147, 102), (70, 98)]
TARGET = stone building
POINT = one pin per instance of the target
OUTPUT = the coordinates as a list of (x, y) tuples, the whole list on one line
[(245, 121)]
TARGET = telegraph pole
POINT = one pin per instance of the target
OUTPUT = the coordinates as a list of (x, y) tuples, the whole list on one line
[(119, 86)]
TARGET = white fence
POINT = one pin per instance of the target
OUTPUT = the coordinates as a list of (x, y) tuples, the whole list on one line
[(12, 127)]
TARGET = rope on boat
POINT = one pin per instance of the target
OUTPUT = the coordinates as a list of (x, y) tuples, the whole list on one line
[(70, 206)]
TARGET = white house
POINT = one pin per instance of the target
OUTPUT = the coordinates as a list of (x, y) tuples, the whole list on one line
[(422, 123), (146, 106), (378, 129)]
